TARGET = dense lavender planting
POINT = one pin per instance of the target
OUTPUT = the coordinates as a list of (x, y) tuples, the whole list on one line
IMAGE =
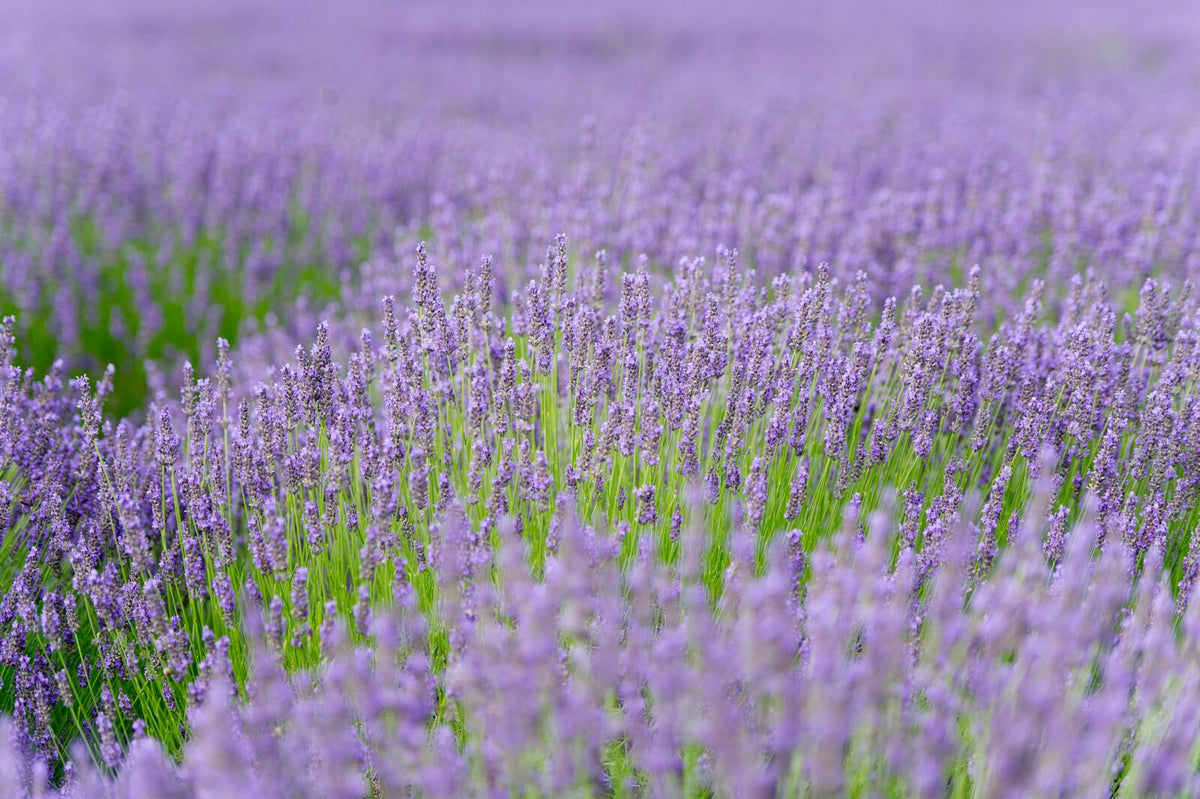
[(174, 175), (624, 402)]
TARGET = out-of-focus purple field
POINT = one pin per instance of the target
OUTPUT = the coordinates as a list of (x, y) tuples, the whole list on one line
[(609, 399)]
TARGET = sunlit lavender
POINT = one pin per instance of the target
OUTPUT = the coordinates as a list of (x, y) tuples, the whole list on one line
[(608, 400)]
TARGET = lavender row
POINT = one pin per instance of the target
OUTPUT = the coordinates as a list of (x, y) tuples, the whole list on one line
[(695, 400), (151, 199), (601, 679), (352, 478)]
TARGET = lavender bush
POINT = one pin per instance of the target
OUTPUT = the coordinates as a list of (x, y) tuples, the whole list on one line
[(608, 406)]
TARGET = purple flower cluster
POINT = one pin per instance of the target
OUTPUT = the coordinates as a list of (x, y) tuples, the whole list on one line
[(207, 216), (722, 436), (1070, 681), (695, 433)]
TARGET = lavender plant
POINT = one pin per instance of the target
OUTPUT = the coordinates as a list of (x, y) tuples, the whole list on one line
[(744, 441), (448, 473)]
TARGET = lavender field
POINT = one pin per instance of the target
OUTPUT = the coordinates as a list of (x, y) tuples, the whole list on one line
[(620, 399)]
